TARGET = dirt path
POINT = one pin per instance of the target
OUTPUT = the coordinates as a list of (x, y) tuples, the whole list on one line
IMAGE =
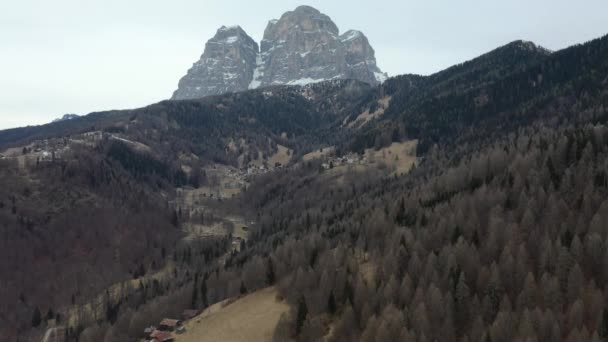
[(248, 319), (54, 335)]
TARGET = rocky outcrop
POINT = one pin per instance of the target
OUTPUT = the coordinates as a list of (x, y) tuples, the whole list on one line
[(360, 58), (303, 46), (67, 117), (227, 65)]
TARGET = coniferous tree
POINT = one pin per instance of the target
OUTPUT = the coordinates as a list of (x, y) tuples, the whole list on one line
[(603, 325), (331, 303), (301, 315), (270, 276), (36, 318)]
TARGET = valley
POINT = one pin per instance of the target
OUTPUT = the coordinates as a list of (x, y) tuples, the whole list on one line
[(466, 205), (249, 318)]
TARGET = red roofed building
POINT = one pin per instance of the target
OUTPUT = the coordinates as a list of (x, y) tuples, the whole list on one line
[(169, 324)]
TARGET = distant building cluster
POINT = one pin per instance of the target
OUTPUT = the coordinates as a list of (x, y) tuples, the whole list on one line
[(349, 159), (166, 329), (48, 150)]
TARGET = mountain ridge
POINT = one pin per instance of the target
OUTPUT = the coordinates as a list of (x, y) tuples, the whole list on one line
[(303, 46), (505, 144)]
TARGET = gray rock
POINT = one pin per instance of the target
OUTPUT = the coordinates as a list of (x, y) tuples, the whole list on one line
[(303, 46), (361, 59), (67, 117), (226, 66)]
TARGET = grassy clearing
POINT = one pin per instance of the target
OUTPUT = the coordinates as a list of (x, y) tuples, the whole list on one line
[(318, 153), (283, 156), (248, 319), (366, 116), (197, 231), (396, 159)]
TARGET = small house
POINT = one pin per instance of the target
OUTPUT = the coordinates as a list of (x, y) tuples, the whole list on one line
[(149, 330), (169, 324)]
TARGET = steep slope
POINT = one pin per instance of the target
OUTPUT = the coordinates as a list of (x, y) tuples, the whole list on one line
[(247, 319), (514, 156), (304, 46), (360, 58), (226, 66), (298, 117), (498, 92), (74, 225)]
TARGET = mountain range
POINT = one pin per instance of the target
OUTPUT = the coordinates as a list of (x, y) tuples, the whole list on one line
[(466, 205), (303, 46)]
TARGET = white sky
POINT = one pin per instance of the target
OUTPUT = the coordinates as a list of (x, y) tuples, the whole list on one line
[(79, 56)]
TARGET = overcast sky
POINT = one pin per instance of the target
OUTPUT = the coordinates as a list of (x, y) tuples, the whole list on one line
[(79, 56)]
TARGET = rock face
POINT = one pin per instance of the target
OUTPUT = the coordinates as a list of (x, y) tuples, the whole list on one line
[(304, 46), (67, 117), (227, 65)]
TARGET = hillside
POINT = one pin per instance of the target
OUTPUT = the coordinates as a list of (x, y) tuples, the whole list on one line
[(508, 88), (251, 318), (469, 205), (74, 225), (297, 117)]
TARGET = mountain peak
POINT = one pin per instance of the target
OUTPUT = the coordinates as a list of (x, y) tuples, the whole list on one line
[(302, 46), (304, 19), (66, 117), (230, 28), (226, 65), (527, 45), (306, 9)]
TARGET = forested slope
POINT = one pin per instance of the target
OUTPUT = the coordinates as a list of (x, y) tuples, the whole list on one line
[(499, 233), (515, 90)]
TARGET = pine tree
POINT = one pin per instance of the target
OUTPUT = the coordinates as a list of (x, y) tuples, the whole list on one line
[(270, 276), (331, 303), (50, 314), (194, 300), (461, 305), (36, 318), (603, 327), (301, 315), (204, 291)]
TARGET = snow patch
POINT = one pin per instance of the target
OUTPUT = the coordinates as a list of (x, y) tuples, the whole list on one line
[(228, 28), (351, 35), (380, 77), (258, 72), (305, 81), (229, 76), (231, 40)]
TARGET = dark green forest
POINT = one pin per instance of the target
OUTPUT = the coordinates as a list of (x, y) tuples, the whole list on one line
[(499, 233)]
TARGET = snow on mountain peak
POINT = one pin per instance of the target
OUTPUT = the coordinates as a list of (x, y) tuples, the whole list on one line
[(302, 47)]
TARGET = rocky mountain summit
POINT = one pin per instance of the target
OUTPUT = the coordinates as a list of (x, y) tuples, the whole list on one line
[(67, 117), (227, 65), (303, 46)]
